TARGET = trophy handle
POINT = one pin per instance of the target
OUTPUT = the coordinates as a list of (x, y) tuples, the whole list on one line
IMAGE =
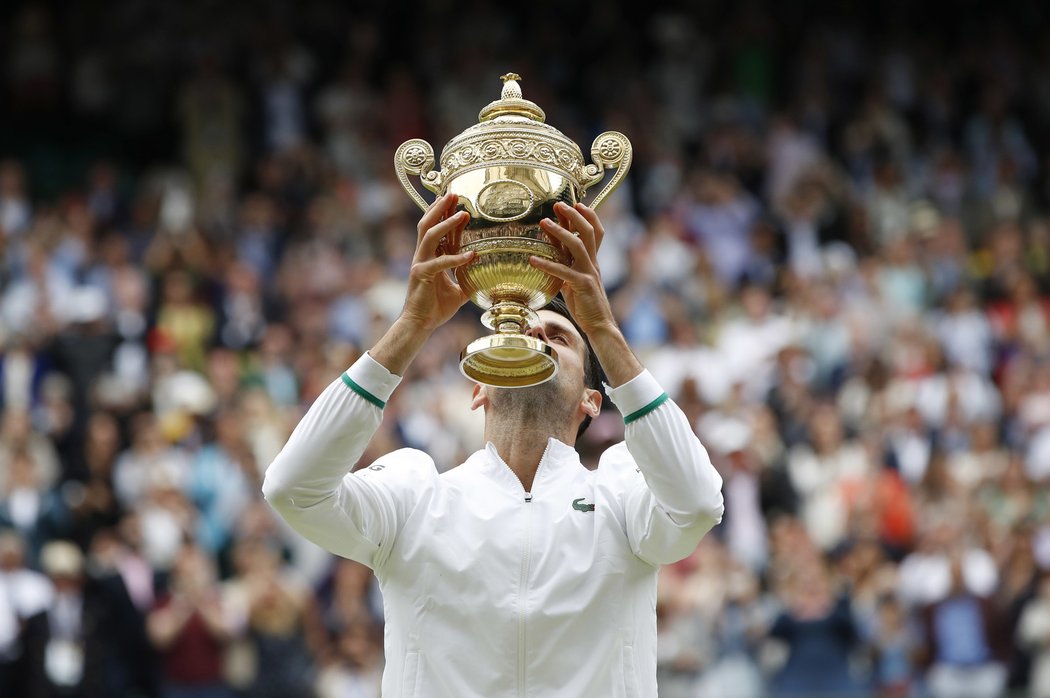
[(610, 149), (416, 157)]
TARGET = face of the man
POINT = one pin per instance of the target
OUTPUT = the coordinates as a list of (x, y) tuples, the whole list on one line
[(569, 346), (558, 401)]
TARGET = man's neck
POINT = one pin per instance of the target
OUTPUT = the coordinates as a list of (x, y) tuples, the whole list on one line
[(521, 445)]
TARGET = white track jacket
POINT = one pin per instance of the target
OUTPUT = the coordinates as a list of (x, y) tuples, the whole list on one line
[(491, 591)]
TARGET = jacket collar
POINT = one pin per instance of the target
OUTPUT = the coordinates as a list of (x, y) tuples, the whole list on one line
[(558, 458)]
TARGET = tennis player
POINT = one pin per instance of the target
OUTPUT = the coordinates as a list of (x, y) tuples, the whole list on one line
[(518, 572)]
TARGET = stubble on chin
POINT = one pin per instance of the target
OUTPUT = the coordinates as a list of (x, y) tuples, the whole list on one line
[(539, 405)]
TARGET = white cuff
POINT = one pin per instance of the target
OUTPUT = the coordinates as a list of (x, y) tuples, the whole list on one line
[(636, 394), (372, 377)]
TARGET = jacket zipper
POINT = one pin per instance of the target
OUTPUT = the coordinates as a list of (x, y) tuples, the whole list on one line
[(523, 583)]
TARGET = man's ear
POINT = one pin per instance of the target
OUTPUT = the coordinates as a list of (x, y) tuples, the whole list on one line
[(592, 402), (480, 399)]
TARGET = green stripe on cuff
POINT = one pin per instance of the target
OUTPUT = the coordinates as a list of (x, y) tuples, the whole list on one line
[(365, 394), (638, 414)]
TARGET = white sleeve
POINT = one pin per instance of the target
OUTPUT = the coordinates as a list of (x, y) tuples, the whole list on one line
[(356, 515), (678, 497)]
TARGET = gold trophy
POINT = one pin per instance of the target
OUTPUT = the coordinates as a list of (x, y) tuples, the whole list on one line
[(508, 171)]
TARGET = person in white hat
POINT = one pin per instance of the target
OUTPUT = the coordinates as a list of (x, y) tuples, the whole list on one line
[(90, 642)]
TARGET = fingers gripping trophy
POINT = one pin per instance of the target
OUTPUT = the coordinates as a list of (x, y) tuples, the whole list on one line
[(508, 171)]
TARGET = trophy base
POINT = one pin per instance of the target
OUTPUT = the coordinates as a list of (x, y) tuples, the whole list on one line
[(508, 361)]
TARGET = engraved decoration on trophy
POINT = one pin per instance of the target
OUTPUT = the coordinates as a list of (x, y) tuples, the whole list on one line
[(508, 171)]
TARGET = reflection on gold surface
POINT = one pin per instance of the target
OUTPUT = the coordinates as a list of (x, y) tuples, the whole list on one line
[(508, 171)]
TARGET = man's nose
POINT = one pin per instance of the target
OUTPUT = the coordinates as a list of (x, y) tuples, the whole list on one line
[(538, 332)]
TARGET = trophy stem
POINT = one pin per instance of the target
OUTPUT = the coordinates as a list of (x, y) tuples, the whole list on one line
[(510, 317), (510, 358)]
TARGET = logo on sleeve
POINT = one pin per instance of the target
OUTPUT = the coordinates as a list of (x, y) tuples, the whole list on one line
[(580, 505)]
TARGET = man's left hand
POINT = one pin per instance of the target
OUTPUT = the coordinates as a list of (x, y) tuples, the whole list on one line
[(580, 231)]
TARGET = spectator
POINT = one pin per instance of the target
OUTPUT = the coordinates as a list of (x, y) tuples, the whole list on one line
[(183, 320), (819, 629), (189, 627), (93, 504), (15, 209), (1033, 634), (24, 593), (210, 110), (821, 474), (18, 437), (89, 641), (218, 483), (895, 647), (720, 217), (149, 464), (38, 513), (960, 640), (356, 669), (282, 625)]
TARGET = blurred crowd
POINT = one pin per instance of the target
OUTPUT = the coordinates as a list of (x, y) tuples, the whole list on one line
[(833, 251)]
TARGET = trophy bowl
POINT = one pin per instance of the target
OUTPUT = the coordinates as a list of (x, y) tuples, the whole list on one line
[(508, 171)]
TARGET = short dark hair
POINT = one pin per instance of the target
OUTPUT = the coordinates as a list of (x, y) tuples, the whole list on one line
[(593, 376)]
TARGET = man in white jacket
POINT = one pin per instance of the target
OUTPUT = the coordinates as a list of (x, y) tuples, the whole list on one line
[(519, 572)]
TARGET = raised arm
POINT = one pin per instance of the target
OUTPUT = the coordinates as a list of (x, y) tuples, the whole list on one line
[(678, 497), (309, 483), (433, 296)]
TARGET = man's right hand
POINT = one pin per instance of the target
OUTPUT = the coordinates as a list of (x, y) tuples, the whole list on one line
[(433, 296)]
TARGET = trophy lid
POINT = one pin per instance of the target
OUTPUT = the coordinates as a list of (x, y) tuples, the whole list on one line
[(511, 102), (512, 131), (513, 144)]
